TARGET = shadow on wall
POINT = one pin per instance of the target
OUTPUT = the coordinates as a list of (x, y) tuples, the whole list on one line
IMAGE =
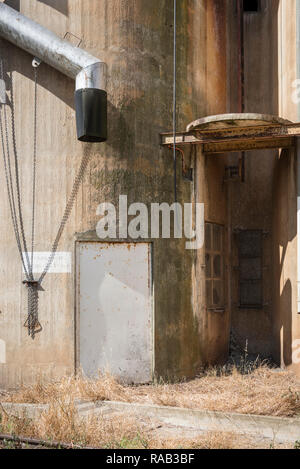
[(15, 4), (59, 5), (63, 87), (285, 231), (17, 60), (286, 301)]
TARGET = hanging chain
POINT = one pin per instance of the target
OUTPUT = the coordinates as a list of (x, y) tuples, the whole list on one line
[(32, 322), (17, 178), (8, 174), (34, 162), (15, 204), (14, 197), (67, 212)]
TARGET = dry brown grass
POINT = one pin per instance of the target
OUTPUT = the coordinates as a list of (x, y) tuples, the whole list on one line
[(219, 440), (103, 388), (62, 424), (263, 392)]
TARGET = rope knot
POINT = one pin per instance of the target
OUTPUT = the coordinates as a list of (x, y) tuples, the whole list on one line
[(32, 322)]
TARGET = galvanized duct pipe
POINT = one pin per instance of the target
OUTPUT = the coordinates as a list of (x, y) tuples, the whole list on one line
[(88, 71)]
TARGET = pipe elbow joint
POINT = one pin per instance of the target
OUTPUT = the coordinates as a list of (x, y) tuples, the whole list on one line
[(92, 76), (91, 103)]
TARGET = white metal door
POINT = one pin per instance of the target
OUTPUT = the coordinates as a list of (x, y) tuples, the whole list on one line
[(115, 309)]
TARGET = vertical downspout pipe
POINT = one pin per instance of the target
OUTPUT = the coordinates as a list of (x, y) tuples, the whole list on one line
[(241, 74), (88, 71), (298, 158), (298, 221)]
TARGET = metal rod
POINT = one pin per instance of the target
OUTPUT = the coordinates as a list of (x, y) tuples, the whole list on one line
[(298, 221), (38, 442), (30, 36), (241, 52), (241, 75), (174, 102)]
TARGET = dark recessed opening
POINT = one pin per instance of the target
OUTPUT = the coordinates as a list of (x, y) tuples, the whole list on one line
[(250, 244), (251, 6)]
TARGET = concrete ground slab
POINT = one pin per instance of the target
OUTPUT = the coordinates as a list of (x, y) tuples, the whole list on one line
[(276, 429)]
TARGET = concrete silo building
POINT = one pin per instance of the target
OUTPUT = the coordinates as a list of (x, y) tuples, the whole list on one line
[(149, 307)]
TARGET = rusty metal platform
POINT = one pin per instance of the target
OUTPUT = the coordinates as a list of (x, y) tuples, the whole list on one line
[(236, 132)]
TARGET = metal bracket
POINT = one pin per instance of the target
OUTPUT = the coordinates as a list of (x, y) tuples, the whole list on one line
[(2, 92), (36, 62), (30, 282), (232, 173), (187, 172), (68, 35), (33, 283)]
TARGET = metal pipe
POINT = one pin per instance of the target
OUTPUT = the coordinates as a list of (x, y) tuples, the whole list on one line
[(241, 59), (241, 76), (88, 71), (76, 63), (298, 222), (298, 156)]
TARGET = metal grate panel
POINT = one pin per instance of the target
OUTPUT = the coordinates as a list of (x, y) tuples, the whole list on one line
[(250, 268)]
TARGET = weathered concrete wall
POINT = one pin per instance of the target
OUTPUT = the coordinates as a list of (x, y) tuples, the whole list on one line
[(286, 327), (287, 59), (267, 198), (135, 39), (286, 320)]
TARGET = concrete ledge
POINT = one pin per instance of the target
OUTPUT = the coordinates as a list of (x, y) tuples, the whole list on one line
[(30, 411), (275, 428)]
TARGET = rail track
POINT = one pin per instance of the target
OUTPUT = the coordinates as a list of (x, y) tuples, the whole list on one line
[(32, 443)]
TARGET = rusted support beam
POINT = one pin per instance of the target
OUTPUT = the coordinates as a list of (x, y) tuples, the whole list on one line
[(246, 133), (224, 147), (237, 138)]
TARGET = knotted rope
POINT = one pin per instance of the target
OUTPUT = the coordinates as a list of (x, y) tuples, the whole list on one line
[(32, 322)]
